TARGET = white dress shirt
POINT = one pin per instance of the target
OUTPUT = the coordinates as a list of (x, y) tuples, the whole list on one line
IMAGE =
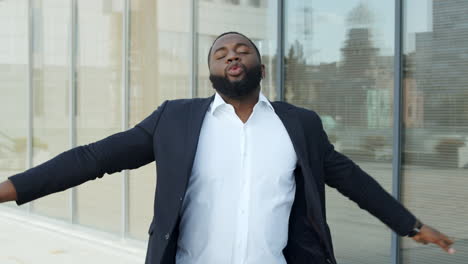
[(241, 189)]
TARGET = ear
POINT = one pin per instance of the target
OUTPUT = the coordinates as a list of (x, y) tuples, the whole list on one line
[(263, 71)]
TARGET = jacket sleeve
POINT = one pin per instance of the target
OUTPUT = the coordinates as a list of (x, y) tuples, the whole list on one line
[(125, 150), (350, 180)]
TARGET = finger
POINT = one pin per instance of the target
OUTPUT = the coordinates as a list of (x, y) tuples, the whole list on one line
[(416, 239), (443, 245), (447, 240)]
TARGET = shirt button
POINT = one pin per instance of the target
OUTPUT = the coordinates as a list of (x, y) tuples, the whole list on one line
[(166, 236), (180, 198)]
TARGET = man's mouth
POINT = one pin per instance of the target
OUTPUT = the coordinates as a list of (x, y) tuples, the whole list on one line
[(235, 70)]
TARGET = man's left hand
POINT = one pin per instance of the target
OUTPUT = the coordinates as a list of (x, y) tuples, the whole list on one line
[(428, 235)]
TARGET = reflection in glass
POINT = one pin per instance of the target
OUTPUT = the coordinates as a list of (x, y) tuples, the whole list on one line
[(339, 63), (159, 70), (435, 153), (13, 87), (50, 100), (259, 24), (99, 109)]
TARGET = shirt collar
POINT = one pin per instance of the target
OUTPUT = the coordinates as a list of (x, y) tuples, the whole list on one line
[(218, 101)]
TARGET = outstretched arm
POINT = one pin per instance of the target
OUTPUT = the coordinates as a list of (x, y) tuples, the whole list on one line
[(350, 180), (125, 150)]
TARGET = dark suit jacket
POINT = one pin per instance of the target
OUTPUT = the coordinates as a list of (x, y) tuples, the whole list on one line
[(170, 135)]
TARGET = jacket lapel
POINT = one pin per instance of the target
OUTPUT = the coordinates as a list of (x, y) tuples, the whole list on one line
[(292, 123), (197, 111), (293, 126)]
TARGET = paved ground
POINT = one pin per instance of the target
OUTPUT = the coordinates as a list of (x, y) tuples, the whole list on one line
[(26, 241), (436, 195)]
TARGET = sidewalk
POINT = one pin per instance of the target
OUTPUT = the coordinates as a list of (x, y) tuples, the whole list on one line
[(26, 239), (29, 239)]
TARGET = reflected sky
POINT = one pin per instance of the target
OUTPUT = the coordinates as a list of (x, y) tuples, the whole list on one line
[(322, 25), (325, 22)]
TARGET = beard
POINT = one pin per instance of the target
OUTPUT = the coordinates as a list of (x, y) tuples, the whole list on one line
[(241, 88)]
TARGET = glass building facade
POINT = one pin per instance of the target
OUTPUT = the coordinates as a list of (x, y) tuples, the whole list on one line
[(387, 78)]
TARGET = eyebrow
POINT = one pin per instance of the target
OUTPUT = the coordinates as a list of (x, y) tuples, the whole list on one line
[(236, 46)]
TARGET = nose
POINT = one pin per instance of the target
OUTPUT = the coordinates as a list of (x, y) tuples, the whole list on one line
[(232, 57)]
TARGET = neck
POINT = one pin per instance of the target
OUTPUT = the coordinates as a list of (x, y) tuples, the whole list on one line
[(243, 106)]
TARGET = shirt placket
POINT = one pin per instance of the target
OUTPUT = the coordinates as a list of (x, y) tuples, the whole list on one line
[(244, 197)]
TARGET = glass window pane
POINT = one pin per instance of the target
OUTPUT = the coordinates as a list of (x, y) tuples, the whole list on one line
[(50, 100), (435, 157), (259, 24), (339, 63), (159, 70), (13, 87), (99, 108)]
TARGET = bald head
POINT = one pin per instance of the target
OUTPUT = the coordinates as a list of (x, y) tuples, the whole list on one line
[(226, 34)]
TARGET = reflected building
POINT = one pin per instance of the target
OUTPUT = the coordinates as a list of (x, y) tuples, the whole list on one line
[(413, 105), (356, 76), (360, 85), (435, 149), (444, 80)]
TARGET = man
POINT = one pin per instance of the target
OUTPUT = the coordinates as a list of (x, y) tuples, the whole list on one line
[(240, 179)]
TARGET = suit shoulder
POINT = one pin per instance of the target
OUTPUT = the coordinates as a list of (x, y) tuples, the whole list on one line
[(303, 113), (182, 103), (177, 106)]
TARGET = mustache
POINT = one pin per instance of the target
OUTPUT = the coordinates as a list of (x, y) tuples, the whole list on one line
[(234, 64)]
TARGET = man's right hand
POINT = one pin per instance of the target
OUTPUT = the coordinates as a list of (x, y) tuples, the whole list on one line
[(7, 191)]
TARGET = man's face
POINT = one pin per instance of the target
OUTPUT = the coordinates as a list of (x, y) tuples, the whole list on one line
[(235, 69)]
